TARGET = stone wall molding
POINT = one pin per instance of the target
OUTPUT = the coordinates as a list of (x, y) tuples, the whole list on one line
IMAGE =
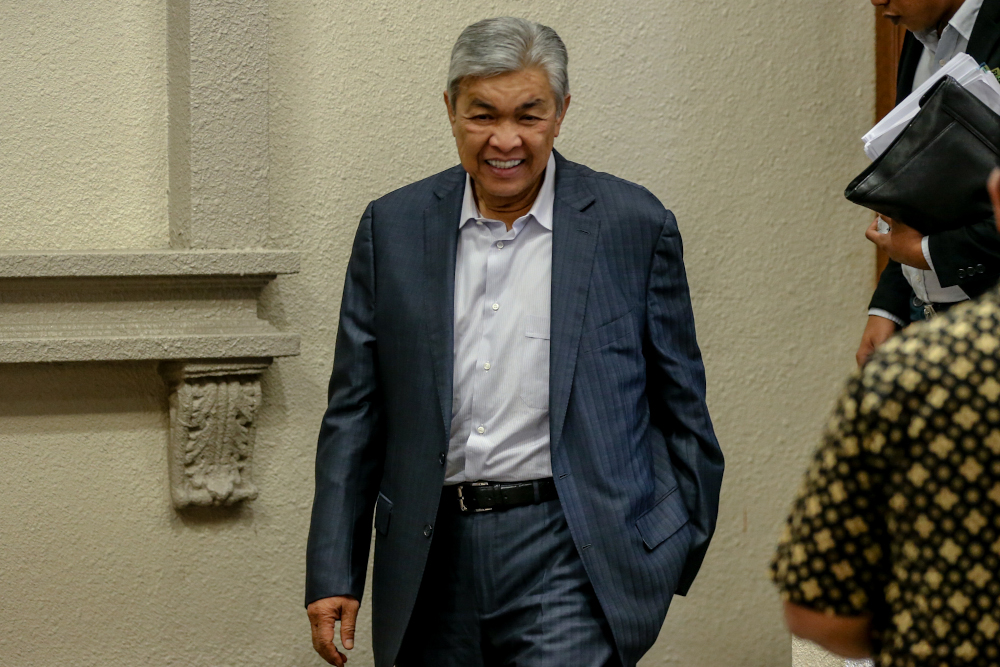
[(193, 307), (143, 305), (195, 311), (213, 429)]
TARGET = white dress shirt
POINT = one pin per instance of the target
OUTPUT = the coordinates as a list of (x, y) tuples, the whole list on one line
[(500, 404), (938, 51)]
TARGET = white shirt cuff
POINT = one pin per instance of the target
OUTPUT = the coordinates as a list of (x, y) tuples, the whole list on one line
[(887, 315)]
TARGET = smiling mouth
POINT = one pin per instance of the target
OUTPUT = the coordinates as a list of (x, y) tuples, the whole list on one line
[(892, 17), (504, 164)]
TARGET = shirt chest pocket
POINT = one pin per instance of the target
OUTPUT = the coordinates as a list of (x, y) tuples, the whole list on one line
[(534, 358)]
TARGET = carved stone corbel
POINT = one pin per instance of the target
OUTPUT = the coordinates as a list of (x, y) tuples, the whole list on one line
[(213, 412)]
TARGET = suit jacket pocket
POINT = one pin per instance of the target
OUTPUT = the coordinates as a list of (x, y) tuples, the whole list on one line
[(606, 334), (662, 520), (383, 512)]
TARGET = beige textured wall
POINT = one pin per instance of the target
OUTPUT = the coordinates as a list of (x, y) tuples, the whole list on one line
[(83, 141), (807, 654), (742, 117)]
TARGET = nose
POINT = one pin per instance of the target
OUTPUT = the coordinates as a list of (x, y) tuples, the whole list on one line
[(506, 137), (880, 3)]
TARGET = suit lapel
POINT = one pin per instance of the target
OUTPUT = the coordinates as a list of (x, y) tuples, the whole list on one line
[(574, 242), (986, 32), (440, 243)]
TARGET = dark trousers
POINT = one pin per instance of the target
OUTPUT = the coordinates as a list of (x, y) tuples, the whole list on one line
[(505, 588)]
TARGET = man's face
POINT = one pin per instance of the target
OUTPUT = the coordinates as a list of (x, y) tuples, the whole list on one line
[(918, 15), (504, 127)]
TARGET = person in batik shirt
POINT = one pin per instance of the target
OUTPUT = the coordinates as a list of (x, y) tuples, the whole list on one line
[(892, 548)]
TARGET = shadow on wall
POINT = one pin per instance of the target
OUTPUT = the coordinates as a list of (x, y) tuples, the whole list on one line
[(98, 399), (73, 389)]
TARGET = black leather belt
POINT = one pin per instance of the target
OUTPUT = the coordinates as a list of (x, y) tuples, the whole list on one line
[(488, 496)]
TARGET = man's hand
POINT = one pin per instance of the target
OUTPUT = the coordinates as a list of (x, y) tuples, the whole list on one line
[(877, 331), (902, 243), (847, 636), (323, 616)]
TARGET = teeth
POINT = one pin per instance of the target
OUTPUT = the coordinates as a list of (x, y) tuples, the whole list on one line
[(504, 164)]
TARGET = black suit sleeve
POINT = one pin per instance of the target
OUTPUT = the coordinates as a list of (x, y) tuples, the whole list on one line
[(893, 292), (351, 447), (968, 257)]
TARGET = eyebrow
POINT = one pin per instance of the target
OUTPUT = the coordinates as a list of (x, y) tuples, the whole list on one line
[(537, 102)]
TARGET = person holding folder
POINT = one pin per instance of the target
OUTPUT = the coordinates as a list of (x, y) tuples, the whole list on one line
[(928, 274)]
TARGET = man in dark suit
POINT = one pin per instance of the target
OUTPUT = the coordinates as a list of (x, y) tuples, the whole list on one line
[(928, 274), (517, 394)]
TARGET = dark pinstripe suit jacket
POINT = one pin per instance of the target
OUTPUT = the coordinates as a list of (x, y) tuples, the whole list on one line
[(636, 462)]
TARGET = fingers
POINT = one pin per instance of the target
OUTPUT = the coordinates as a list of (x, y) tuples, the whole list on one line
[(323, 616), (873, 234), (348, 622), (322, 639), (993, 186), (877, 331), (864, 352)]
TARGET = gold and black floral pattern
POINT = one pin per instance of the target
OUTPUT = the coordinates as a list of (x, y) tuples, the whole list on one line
[(899, 513)]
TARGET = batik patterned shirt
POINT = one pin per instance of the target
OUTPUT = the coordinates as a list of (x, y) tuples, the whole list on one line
[(899, 512)]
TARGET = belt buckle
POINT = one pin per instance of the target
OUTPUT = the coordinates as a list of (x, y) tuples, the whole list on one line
[(462, 507)]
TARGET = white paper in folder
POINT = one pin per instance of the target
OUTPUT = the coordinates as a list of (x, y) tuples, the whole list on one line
[(964, 69)]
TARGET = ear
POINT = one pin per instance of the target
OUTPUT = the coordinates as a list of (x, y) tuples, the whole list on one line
[(451, 112), (559, 120)]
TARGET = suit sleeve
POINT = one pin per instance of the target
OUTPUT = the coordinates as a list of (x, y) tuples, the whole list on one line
[(968, 257), (892, 294), (676, 391), (351, 445)]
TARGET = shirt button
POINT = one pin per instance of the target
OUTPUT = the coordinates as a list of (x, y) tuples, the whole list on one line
[(428, 529), (481, 430), (499, 244), (496, 306), (479, 222), (486, 366), (942, 62), (442, 458)]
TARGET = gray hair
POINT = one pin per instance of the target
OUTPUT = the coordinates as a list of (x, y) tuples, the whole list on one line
[(507, 44)]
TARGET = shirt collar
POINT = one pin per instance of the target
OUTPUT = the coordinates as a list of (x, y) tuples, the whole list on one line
[(541, 210), (963, 21)]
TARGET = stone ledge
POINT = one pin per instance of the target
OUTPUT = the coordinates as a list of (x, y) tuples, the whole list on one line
[(51, 349), (126, 263), (142, 305)]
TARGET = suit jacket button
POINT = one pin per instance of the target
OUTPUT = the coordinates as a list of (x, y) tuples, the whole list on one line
[(428, 530), (979, 268), (442, 458), (961, 273)]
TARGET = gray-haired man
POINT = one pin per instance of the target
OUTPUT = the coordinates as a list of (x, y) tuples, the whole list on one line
[(517, 395)]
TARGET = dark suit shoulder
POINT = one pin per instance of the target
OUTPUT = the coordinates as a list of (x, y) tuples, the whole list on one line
[(621, 201)]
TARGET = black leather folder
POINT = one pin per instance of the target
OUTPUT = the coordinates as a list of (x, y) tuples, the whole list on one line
[(933, 176)]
